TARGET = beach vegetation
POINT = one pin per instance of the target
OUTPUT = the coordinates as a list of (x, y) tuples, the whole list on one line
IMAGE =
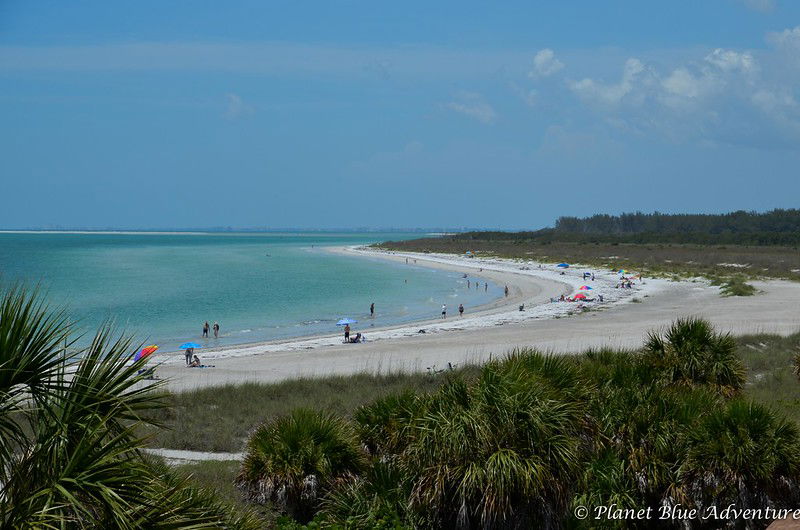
[(691, 353), (737, 287), (295, 459), (70, 456), (532, 436), (742, 245)]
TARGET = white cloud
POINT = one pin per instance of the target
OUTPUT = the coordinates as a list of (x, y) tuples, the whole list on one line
[(235, 107), (724, 95), (774, 102), (473, 105), (759, 5), (729, 60), (611, 94), (788, 38), (545, 64), (683, 84)]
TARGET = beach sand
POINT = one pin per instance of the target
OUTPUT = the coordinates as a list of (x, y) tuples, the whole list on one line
[(622, 321)]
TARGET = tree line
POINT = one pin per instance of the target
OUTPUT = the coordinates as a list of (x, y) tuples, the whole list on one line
[(776, 227)]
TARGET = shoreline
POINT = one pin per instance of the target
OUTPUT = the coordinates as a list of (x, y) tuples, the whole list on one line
[(522, 289), (491, 330)]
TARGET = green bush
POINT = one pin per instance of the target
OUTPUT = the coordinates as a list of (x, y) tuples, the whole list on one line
[(294, 460)]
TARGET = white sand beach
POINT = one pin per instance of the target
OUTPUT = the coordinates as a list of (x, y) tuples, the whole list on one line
[(621, 320)]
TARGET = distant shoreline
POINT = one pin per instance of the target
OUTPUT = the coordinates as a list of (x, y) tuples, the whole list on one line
[(433, 232)]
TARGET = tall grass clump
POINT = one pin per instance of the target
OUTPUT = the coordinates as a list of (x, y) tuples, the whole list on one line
[(736, 287)]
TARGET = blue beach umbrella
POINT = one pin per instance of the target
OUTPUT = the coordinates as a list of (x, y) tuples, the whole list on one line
[(187, 345), (563, 265), (345, 321)]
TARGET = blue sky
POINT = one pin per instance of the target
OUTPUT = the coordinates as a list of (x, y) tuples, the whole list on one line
[(410, 114)]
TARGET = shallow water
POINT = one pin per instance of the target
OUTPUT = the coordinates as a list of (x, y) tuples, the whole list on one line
[(162, 287)]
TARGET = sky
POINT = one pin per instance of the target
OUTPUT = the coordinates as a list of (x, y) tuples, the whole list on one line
[(507, 115)]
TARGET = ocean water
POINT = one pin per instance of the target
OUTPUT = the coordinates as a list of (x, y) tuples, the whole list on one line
[(162, 287)]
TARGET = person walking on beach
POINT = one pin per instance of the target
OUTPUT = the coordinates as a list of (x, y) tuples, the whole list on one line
[(347, 332), (506, 291), (461, 310), (444, 310), (372, 309), (216, 330), (205, 330)]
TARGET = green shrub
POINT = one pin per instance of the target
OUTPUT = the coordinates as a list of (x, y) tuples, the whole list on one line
[(294, 460), (691, 353)]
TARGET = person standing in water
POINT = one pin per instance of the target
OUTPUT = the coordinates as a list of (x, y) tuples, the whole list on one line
[(216, 330), (444, 310), (506, 291), (372, 309), (205, 330), (486, 287), (461, 310), (347, 332)]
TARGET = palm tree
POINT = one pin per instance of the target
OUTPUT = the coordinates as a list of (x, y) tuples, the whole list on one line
[(68, 422), (294, 460), (386, 424), (378, 498), (502, 452), (742, 453), (691, 353)]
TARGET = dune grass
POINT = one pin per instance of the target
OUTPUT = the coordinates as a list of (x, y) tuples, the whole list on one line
[(769, 363), (737, 287), (768, 360), (654, 260), (221, 418)]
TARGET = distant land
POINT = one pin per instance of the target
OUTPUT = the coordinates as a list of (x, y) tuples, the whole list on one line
[(228, 229)]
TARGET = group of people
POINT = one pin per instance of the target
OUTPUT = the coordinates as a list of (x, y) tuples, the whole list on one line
[(207, 328), (477, 284), (352, 340), (460, 310)]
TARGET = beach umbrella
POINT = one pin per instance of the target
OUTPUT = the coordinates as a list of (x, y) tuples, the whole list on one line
[(622, 271), (145, 352), (585, 288), (345, 321), (579, 296), (187, 345), (563, 265)]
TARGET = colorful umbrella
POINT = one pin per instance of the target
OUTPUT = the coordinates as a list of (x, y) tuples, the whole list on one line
[(187, 345), (579, 296), (585, 288), (145, 352), (345, 321), (622, 271)]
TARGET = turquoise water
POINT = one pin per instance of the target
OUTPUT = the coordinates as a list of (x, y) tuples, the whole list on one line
[(162, 287)]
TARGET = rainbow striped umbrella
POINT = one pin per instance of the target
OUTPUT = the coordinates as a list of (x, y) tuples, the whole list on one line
[(585, 288), (145, 352)]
